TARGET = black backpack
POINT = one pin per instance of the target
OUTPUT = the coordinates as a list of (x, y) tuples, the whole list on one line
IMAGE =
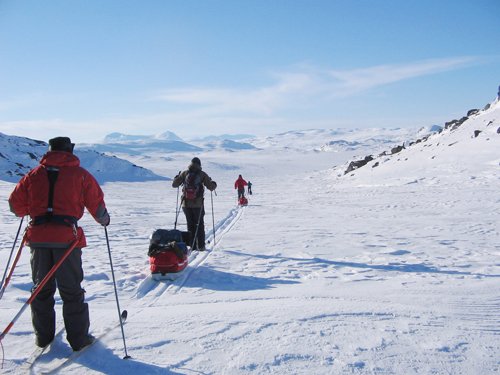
[(192, 187)]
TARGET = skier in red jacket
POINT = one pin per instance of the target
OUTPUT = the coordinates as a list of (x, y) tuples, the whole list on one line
[(240, 184), (55, 194)]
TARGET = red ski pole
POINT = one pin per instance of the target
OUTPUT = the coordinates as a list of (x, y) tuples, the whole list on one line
[(11, 271), (39, 287)]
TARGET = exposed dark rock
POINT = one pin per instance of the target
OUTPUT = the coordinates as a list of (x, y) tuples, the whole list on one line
[(472, 112), (397, 149), (353, 165), (454, 124), (476, 133)]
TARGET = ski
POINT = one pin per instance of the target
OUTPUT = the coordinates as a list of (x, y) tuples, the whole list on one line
[(73, 356), (166, 276), (30, 361), (28, 364)]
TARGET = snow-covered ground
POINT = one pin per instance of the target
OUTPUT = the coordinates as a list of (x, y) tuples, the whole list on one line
[(392, 269)]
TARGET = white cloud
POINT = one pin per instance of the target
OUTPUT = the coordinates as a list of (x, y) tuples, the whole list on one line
[(357, 80), (262, 100), (305, 85), (302, 93)]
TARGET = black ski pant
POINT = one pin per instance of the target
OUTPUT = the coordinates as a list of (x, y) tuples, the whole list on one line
[(241, 193), (67, 279), (196, 225)]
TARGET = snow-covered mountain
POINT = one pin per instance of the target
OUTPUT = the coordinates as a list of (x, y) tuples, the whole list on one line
[(339, 140), (169, 142), (223, 137), (230, 145), (128, 144), (458, 147), (316, 140), (166, 142), (128, 138), (20, 154)]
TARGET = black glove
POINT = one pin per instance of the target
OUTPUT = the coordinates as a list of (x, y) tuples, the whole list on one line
[(215, 185), (105, 220)]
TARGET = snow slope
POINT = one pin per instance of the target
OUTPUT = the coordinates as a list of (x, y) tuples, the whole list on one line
[(19, 155), (386, 270)]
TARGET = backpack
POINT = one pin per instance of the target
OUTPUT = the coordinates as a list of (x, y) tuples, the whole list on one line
[(192, 188)]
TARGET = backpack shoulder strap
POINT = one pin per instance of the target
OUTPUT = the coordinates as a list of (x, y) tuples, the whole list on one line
[(52, 174)]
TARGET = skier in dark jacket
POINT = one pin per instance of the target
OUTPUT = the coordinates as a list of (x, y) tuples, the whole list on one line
[(54, 208), (240, 184), (193, 180), (249, 188)]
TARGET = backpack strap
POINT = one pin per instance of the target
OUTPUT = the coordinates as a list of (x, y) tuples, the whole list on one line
[(52, 174)]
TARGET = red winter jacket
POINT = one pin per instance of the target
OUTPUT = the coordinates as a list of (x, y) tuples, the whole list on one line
[(240, 183), (75, 189)]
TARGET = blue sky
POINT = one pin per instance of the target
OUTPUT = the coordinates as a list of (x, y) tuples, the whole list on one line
[(89, 68)]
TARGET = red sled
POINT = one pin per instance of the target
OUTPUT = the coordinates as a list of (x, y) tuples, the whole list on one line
[(167, 262), (168, 252), (243, 201)]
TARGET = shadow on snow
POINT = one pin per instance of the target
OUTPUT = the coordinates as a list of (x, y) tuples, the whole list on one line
[(208, 278), (105, 361), (390, 267)]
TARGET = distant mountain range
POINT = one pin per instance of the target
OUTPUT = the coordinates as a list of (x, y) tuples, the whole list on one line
[(20, 154), (167, 142), (126, 138), (339, 140)]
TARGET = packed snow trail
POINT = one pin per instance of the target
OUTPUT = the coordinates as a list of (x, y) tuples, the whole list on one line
[(156, 289)]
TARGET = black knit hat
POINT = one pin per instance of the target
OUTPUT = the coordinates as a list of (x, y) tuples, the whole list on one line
[(61, 144), (196, 161)]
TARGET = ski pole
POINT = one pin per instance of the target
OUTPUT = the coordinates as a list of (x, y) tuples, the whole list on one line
[(5, 280), (14, 264), (116, 295), (195, 239), (213, 217), (38, 288), (177, 208)]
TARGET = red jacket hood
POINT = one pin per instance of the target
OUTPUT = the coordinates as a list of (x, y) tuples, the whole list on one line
[(60, 159)]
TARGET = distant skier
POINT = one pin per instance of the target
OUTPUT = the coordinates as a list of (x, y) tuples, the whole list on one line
[(193, 179), (240, 184), (55, 194), (249, 188)]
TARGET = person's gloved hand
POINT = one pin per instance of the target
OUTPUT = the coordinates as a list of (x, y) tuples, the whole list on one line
[(215, 185), (105, 220)]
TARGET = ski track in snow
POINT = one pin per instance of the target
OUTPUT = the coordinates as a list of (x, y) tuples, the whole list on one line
[(196, 259)]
